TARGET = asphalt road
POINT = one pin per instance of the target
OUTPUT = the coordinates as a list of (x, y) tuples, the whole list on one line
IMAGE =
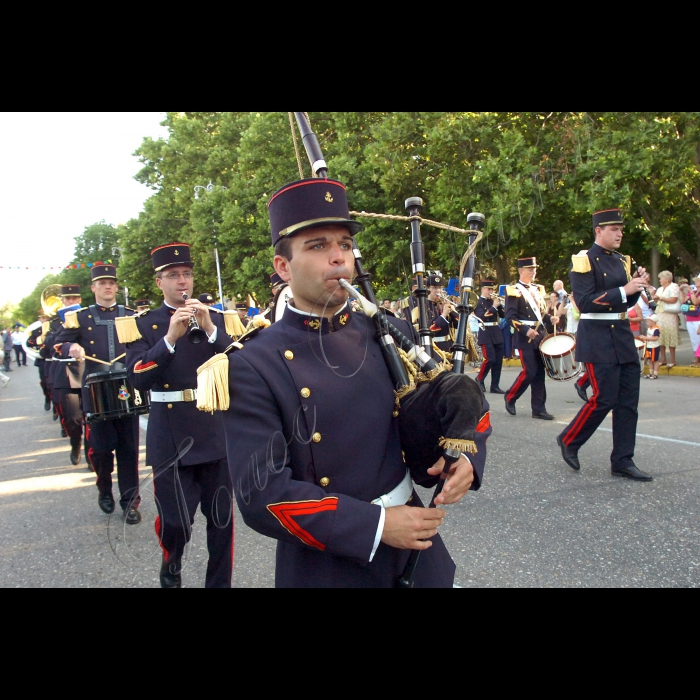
[(535, 523)]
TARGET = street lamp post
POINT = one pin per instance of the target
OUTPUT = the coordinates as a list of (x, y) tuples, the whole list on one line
[(210, 188)]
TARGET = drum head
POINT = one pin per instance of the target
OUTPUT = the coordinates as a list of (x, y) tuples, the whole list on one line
[(559, 345)]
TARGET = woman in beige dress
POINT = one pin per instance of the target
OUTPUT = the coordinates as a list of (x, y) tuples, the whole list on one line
[(668, 296)]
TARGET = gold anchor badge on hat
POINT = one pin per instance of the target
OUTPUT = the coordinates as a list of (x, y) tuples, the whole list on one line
[(329, 198), (177, 252)]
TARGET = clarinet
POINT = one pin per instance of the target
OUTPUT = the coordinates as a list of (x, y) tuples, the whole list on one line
[(476, 224)]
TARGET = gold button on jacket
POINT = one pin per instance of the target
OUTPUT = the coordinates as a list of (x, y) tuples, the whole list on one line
[(325, 483), (317, 438), (306, 393), (289, 355)]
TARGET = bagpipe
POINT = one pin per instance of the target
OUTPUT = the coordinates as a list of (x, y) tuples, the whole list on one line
[(439, 406)]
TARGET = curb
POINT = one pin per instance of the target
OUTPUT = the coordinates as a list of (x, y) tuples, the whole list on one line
[(664, 372)]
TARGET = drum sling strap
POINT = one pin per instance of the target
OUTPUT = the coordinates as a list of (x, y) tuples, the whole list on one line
[(530, 298), (111, 330)]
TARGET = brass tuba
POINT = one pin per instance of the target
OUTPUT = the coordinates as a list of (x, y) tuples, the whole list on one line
[(51, 300)]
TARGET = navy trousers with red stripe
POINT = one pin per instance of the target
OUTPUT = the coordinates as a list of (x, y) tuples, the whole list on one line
[(71, 414), (493, 362), (533, 375), (615, 388), (120, 436), (179, 491)]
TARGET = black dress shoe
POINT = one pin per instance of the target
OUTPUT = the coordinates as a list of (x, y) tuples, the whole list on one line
[(634, 474), (582, 393), (55, 417), (64, 434), (75, 456), (543, 416), (106, 503), (570, 456), (132, 516), (482, 386), (168, 579), (510, 408), (47, 405), (498, 390)]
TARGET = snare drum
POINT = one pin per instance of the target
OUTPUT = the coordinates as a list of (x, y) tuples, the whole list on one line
[(113, 397), (641, 349), (559, 355)]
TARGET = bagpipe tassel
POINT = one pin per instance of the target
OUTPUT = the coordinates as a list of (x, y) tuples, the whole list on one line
[(127, 330), (462, 446), (212, 385)]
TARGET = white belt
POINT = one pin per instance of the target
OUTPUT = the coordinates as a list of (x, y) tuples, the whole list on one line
[(442, 339), (528, 323), (187, 396), (491, 325), (400, 496), (604, 317)]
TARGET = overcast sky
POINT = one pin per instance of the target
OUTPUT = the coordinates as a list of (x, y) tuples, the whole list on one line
[(61, 172)]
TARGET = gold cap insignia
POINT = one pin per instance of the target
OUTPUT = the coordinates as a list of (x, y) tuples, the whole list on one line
[(177, 252), (329, 198)]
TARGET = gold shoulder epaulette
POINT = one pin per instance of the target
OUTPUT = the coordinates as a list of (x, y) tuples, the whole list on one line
[(213, 393), (71, 322), (543, 290), (513, 292), (628, 266), (415, 315), (581, 263), (234, 325), (127, 329)]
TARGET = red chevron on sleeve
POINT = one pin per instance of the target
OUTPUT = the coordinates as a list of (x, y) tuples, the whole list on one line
[(602, 303), (287, 513), (140, 368), (485, 423)]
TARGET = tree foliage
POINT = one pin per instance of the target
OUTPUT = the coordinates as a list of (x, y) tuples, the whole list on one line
[(536, 175)]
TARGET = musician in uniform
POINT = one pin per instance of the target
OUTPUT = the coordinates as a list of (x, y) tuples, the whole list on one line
[(490, 311), (442, 318), (207, 299), (143, 305), (67, 377), (602, 283), (36, 342), (90, 337), (243, 313), (186, 447), (526, 313), (303, 476), (409, 304)]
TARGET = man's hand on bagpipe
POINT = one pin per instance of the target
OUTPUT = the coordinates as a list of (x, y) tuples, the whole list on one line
[(459, 480)]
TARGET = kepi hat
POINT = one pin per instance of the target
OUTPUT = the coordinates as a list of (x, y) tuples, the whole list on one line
[(524, 263), (608, 217), (70, 290), (308, 204), (103, 272), (171, 255)]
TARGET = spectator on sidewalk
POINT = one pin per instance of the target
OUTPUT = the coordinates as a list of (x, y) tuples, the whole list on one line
[(18, 337), (668, 298), (7, 347), (555, 307), (653, 342), (692, 298), (4, 379), (561, 292)]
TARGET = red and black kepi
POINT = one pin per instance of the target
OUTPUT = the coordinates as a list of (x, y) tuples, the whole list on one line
[(103, 272), (524, 263), (608, 217), (488, 284), (310, 204), (171, 255)]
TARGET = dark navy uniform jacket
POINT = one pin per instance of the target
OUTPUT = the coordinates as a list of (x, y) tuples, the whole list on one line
[(95, 340), (152, 367), (486, 311), (32, 342), (62, 371), (598, 291), (313, 440), (518, 309)]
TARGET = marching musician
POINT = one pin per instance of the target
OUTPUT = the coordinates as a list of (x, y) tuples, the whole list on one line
[(302, 477), (207, 299), (185, 447), (143, 305), (243, 310), (90, 334), (442, 318), (490, 310), (602, 283), (36, 342), (410, 303), (526, 312), (67, 377)]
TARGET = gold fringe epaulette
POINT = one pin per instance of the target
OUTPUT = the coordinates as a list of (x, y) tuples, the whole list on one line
[(234, 325), (213, 393), (513, 292), (71, 322), (415, 315), (581, 263), (628, 266), (127, 329), (462, 446), (45, 328)]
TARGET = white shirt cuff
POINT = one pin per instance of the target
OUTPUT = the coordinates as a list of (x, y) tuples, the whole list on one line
[(169, 346), (214, 335), (380, 532), (624, 295)]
